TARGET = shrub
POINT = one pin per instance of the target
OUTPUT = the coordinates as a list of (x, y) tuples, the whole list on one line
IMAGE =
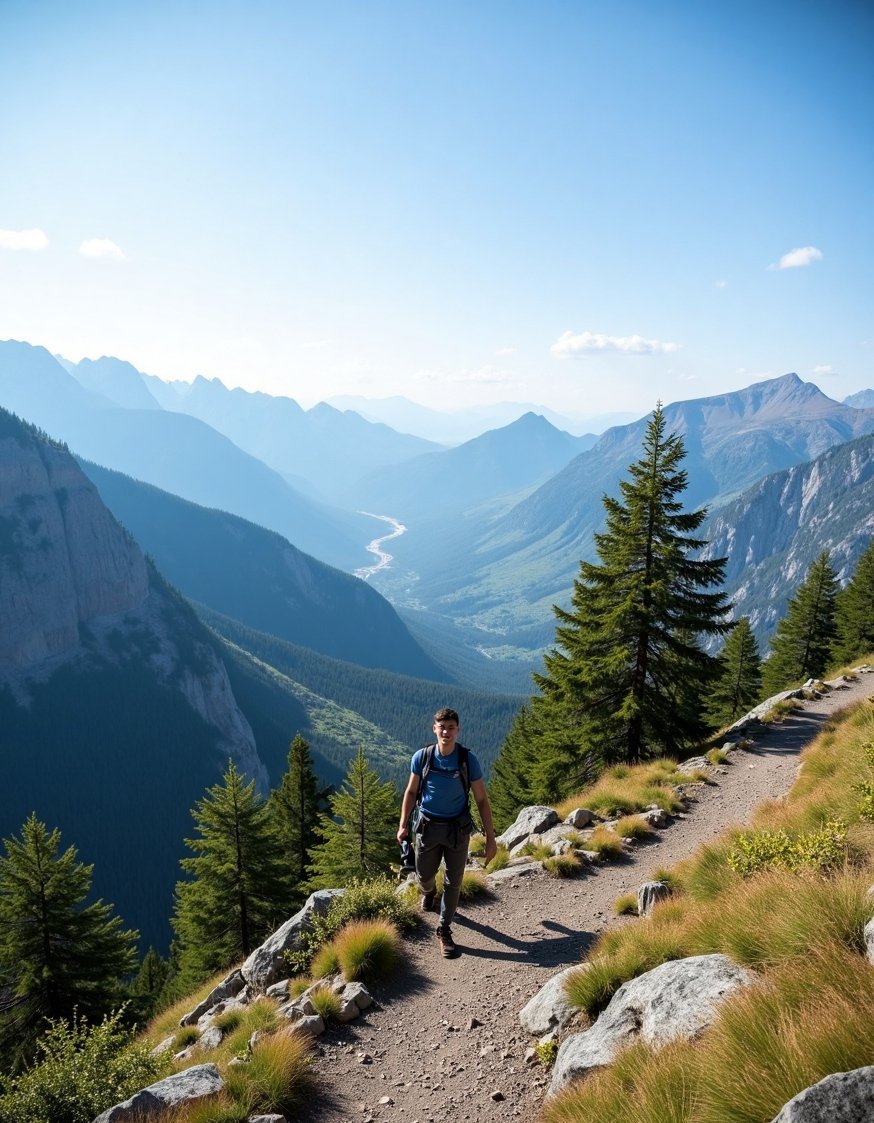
[(185, 1037), (500, 861), (326, 1002), (298, 985), (325, 962), (626, 905), (363, 900), (228, 1020), (80, 1071), (717, 756), (817, 850), (367, 949), (633, 826), (546, 1052), (563, 865), (605, 843), (866, 787), (539, 851), (273, 1080)]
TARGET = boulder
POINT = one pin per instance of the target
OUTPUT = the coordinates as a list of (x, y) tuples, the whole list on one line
[(530, 820), (675, 1000), (523, 869), (843, 1097), (229, 987), (869, 940), (581, 817), (649, 895), (357, 993), (656, 817), (183, 1087), (267, 964), (550, 1007)]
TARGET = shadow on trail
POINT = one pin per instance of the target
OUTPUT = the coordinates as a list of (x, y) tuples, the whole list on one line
[(788, 737), (546, 951)]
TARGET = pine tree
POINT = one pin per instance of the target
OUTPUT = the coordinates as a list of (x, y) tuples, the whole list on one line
[(855, 612), (57, 954), (239, 890), (295, 807), (739, 686), (626, 675), (800, 647), (146, 987), (359, 835)]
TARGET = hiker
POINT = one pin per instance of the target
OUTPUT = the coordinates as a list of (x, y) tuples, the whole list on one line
[(441, 778)]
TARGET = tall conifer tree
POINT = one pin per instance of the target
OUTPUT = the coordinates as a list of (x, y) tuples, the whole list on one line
[(855, 612), (626, 676), (57, 954), (239, 890), (739, 685), (359, 834), (801, 645), (295, 807)]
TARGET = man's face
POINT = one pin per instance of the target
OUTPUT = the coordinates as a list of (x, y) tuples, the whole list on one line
[(446, 732)]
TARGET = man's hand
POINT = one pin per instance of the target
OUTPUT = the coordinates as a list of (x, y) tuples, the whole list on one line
[(402, 833), (490, 850)]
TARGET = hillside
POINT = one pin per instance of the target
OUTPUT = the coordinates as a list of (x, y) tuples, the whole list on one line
[(115, 705), (256, 576), (772, 533)]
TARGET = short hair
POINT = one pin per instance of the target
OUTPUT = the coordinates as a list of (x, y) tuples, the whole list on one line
[(445, 714)]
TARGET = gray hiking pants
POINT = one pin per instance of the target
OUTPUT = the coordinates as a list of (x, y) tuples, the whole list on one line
[(438, 841)]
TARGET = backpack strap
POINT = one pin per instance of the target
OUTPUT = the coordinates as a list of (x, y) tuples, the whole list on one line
[(463, 768)]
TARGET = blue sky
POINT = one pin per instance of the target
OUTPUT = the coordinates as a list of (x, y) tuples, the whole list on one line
[(585, 205)]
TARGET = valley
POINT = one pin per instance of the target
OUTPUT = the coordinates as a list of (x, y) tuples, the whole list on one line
[(375, 547)]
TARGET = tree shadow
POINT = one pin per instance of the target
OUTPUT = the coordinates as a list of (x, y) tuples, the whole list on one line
[(567, 946)]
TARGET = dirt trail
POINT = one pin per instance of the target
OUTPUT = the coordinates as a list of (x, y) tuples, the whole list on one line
[(443, 1039)]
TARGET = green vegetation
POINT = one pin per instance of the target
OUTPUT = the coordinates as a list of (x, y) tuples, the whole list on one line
[(627, 672), (80, 1070), (367, 949), (854, 611), (359, 836), (563, 865), (294, 808), (800, 647), (239, 889), (57, 954), (633, 827), (823, 849), (738, 687), (626, 905)]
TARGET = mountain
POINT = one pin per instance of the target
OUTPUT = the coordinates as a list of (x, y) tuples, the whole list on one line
[(500, 463), (116, 709), (503, 575), (118, 381), (255, 576), (181, 454), (864, 399), (324, 446), (774, 531), (455, 426)]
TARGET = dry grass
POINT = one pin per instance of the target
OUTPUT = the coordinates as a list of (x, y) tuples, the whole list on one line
[(634, 827), (563, 865), (367, 949)]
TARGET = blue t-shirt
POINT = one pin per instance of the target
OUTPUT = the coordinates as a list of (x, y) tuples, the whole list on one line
[(443, 797)]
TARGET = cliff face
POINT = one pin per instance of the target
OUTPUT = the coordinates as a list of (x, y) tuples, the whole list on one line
[(75, 586), (64, 560)]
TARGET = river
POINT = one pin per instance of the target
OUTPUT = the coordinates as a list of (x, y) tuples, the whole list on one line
[(375, 547)]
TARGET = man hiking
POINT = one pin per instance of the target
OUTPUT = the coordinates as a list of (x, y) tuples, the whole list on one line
[(441, 776)]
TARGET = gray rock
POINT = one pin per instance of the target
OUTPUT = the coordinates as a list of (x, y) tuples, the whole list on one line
[(266, 964), (530, 820), (523, 869), (559, 833), (279, 991), (675, 1000), (656, 817), (695, 763), (843, 1097), (550, 1007), (227, 988), (222, 1007), (267, 1119), (359, 994), (313, 1025), (191, 1084), (649, 895), (868, 933), (348, 1010), (581, 817), (210, 1038), (163, 1046)]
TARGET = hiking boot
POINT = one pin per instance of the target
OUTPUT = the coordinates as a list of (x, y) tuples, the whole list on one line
[(446, 943), (427, 901)]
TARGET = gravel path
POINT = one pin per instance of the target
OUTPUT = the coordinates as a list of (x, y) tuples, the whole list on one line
[(443, 1039)]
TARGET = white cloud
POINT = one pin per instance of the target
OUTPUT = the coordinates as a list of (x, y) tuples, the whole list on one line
[(23, 239), (824, 369), (721, 284), (503, 352), (797, 258), (571, 346), (101, 247)]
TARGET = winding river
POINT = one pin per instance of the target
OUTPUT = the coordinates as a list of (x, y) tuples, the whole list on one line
[(375, 547)]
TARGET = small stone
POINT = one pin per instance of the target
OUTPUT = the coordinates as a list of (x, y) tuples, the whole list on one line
[(497, 1096), (384, 1101), (365, 1059), (474, 1023)]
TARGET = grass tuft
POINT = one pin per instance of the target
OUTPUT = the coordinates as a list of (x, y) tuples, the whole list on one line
[(626, 905), (367, 949), (274, 1078), (633, 826), (563, 865)]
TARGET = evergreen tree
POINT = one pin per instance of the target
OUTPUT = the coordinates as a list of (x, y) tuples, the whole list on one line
[(57, 954), (239, 891), (739, 686), (801, 645), (855, 612), (625, 678), (359, 835), (145, 990), (295, 807)]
